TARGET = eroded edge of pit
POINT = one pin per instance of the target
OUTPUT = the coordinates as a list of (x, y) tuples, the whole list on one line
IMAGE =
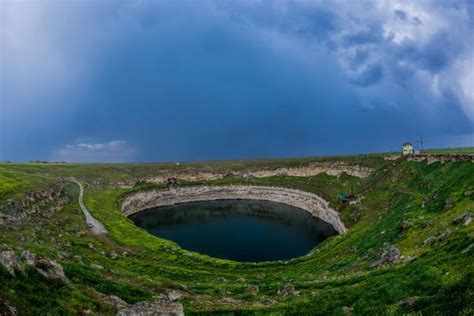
[(312, 203)]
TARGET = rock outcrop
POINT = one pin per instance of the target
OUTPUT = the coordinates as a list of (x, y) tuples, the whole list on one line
[(287, 290), (41, 204), (158, 308), (332, 168), (432, 158), (310, 202), (48, 268), (390, 255), (6, 309), (434, 240), (465, 218), (10, 262)]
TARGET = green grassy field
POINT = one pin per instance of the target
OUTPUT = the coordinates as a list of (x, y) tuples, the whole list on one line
[(335, 277)]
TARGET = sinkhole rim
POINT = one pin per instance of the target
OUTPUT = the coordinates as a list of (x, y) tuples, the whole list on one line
[(136, 202), (140, 201)]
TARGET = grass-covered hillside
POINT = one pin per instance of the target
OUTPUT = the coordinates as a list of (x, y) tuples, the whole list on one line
[(409, 248)]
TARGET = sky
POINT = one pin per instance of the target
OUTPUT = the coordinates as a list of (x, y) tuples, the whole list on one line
[(141, 81)]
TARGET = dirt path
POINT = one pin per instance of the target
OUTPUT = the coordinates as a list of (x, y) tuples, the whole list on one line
[(94, 225)]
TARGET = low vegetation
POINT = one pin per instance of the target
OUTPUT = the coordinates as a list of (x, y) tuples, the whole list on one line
[(403, 204)]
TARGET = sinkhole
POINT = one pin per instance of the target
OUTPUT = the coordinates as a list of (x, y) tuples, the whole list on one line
[(240, 230)]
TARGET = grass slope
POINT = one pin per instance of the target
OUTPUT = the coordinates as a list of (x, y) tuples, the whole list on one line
[(439, 278)]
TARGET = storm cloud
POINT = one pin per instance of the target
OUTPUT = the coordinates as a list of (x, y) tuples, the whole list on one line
[(189, 80)]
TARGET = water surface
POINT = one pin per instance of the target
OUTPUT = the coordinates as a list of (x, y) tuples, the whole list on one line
[(241, 230)]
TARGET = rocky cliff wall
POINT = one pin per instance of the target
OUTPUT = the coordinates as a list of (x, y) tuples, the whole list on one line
[(442, 158), (312, 203)]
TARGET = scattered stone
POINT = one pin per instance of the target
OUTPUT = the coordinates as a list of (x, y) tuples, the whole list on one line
[(79, 234), (153, 309), (97, 266), (261, 276), (390, 255), (288, 289), (252, 288), (64, 254), (346, 310), (241, 280), (466, 218), (426, 224), (114, 255), (469, 193), (433, 240), (10, 261), (407, 259), (407, 224), (323, 277), (448, 203), (6, 309), (77, 258), (407, 302)]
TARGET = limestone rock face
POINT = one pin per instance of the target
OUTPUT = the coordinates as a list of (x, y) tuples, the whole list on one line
[(312, 203), (158, 308), (10, 261)]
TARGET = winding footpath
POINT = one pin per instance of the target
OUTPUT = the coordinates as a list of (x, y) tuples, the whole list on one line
[(94, 225)]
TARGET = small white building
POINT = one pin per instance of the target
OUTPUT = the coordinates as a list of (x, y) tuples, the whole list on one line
[(407, 149)]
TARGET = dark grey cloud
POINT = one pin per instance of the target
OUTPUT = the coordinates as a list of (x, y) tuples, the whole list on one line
[(369, 76), (216, 79)]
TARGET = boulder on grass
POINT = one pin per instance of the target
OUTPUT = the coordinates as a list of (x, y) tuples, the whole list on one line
[(390, 255), (10, 261), (48, 268)]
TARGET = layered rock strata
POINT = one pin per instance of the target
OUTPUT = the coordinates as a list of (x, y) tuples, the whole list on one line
[(310, 202)]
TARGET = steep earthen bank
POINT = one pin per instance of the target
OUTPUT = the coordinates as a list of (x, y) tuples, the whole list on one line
[(330, 168), (312, 203)]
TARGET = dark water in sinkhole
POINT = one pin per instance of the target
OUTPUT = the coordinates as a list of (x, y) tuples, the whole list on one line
[(241, 230)]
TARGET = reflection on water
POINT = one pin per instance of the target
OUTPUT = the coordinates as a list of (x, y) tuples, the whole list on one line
[(241, 230)]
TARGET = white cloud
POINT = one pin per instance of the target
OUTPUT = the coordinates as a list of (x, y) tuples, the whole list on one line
[(466, 84), (414, 45), (112, 151)]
